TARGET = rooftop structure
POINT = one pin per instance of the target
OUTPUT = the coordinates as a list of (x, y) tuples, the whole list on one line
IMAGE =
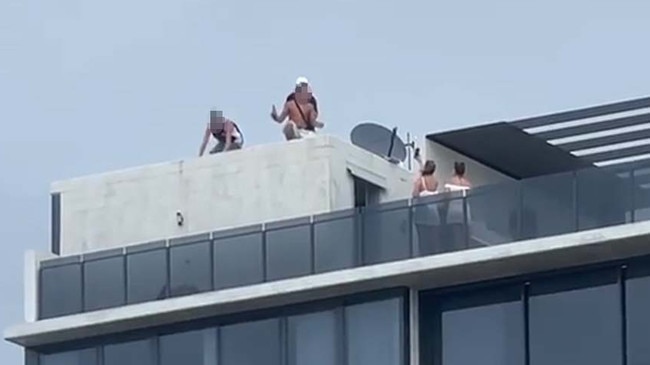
[(313, 252)]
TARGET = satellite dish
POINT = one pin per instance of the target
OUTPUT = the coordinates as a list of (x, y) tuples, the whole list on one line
[(379, 140)]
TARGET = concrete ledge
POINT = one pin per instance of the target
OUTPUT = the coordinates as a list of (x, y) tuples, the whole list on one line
[(250, 186), (502, 261)]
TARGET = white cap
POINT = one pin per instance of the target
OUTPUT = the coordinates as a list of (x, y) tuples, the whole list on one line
[(302, 80)]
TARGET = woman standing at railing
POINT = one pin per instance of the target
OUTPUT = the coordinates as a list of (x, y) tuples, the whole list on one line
[(426, 216), (456, 223)]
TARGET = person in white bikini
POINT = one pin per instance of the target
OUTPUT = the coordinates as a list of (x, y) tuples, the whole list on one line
[(456, 224), (426, 216)]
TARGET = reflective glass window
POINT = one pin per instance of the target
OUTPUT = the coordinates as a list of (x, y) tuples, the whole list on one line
[(374, 333), (575, 320), (251, 343)]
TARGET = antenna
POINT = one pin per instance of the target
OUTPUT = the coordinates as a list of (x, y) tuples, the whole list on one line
[(379, 140), (392, 142), (412, 149)]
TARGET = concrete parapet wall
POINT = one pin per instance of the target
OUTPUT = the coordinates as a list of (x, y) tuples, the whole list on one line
[(255, 185)]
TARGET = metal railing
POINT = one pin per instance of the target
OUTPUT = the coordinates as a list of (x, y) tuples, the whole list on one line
[(484, 216)]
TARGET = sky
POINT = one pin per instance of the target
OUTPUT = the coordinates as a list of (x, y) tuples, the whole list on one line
[(92, 86)]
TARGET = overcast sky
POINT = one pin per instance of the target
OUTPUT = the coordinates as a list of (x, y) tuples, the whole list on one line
[(88, 86)]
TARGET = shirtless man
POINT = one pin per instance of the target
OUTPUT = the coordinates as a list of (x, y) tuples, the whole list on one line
[(225, 131), (302, 109)]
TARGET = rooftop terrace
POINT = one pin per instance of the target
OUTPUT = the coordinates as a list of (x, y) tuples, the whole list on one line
[(279, 212), (489, 215)]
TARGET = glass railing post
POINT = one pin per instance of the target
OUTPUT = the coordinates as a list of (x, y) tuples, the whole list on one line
[(519, 212), (466, 233), (312, 245), (168, 288), (414, 252), (265, 271), (576, 215), (633, 195), (361, 237)]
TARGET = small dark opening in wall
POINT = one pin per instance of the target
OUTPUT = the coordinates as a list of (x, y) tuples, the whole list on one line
[(365, 193), (55, 242)]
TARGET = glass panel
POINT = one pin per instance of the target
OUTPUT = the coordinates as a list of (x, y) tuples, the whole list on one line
[(637, 296), (454, 227), (575, 320), (494, 214), (190, 266), (189, 348), (60, 290), (288, 252), (238, 261), (104, 283), (386, 235), (548, 206), (335, 243), (374, 333), (313, 339), (130, 353), (146, 276), (81, 357), (490, 322), (603, 198), (251, 343), (641, 191), (427, 225)]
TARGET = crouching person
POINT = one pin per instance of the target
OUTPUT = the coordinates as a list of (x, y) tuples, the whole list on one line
[(224, 131)]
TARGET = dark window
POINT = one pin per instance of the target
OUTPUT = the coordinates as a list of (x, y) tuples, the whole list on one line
[(104, 285), (288, 252), (489, 322), (130, 353), (60, 290), (575, 320), (386, 233), (238, 261), (147, 276), (189, 348), (251, 343), (638, 320), (365, 194), (375, 333), (335, 243), (313, 339), (190, 268), (81, 357), (56, 224)]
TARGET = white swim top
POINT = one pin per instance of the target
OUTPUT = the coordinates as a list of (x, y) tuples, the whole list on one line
[(456, 187)]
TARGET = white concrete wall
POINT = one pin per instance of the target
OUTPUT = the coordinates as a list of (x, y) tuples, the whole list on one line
[(255, 185), (395, 180), (476, 172)]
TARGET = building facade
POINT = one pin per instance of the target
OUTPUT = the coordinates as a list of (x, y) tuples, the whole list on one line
[(546, 260)]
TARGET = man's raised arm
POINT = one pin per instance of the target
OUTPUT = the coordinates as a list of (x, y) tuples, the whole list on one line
[(280, 118)]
